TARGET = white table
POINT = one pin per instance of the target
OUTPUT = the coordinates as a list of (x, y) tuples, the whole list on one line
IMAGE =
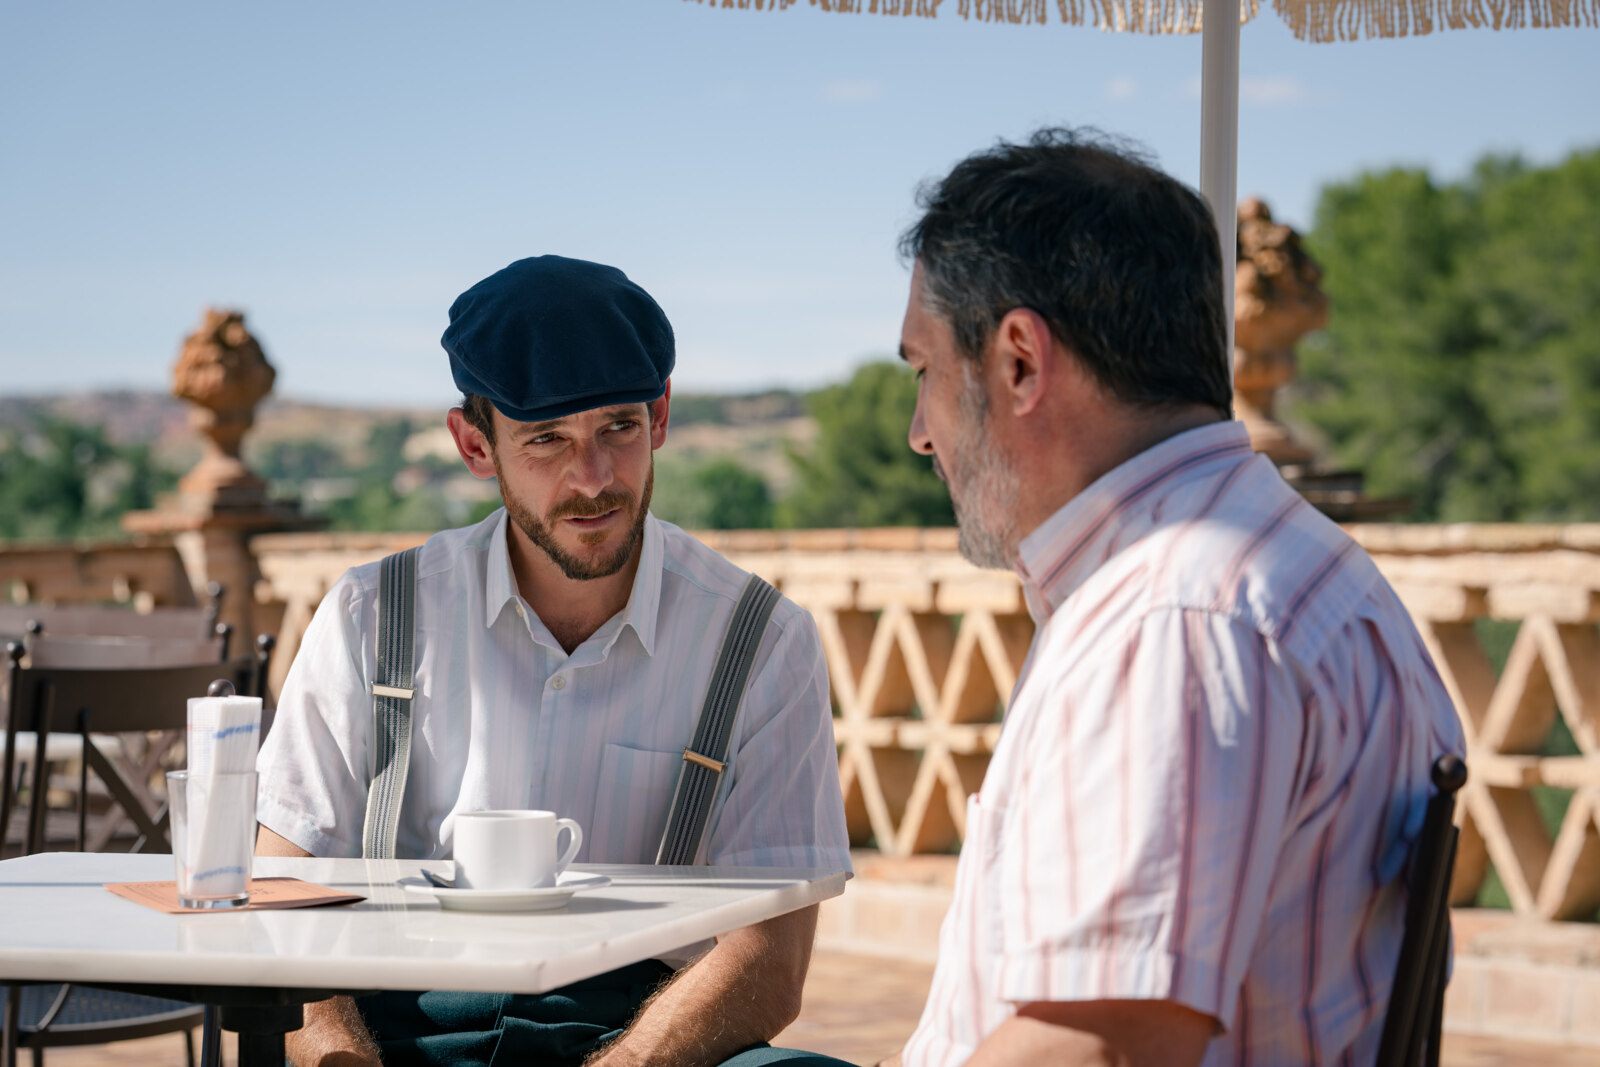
[(58, 923)]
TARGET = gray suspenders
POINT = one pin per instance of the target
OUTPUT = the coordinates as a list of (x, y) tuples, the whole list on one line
[(703, 760), (391, 702)]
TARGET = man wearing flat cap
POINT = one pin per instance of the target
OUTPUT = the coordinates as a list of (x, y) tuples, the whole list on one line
[(560, 657)]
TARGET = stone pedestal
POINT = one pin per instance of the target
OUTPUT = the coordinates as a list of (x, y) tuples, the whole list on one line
[(1278, 299), (221, 503)]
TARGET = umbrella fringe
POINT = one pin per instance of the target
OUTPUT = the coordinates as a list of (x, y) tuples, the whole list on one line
[(1135, 16), (1116, 16), (1309, 20), (1351, 20), (921, 8)]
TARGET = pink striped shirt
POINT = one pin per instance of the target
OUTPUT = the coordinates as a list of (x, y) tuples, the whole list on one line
[(1212, 770)]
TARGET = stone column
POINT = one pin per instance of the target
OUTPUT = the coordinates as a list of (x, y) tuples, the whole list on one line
[(1278, 299), (221, 503)]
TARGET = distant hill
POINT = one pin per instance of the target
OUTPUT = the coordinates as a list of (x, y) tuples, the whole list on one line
[(756, 427)]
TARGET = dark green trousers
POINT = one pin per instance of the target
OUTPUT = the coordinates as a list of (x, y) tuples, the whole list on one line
[(441, 1029), (555, 1029)]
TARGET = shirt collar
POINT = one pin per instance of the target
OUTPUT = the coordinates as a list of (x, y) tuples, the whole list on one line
[(1058, 556), (644, 601), (499, 584)]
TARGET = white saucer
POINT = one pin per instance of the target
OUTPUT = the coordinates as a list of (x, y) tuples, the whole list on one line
[(541, 899)]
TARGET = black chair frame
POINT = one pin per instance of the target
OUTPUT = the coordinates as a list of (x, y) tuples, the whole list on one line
[(100, 620), (1414, 1021), (84, 701)]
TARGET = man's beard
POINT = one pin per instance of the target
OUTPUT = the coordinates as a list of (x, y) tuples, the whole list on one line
[(983, 487), (539, 531)]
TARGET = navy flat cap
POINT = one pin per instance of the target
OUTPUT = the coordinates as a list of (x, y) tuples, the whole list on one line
[(550, 336)]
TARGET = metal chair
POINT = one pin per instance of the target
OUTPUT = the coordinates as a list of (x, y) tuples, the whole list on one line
[(1412, 1024), (79, 1015), (95, 620), (141, 755), (103, 700), (54, 685)]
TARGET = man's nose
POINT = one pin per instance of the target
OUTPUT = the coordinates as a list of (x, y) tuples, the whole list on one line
[(592, 470), (917, 437)]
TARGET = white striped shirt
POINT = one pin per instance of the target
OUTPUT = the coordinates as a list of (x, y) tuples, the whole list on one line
[(504, 718), (1212, 770)]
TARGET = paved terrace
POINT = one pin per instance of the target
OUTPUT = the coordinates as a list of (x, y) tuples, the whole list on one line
[(860, 1009)]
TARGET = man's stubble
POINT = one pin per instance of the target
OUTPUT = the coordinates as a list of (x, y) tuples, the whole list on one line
[(983, 487), (538, 530)]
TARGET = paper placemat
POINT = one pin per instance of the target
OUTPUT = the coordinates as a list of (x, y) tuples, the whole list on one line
[(266, 894)]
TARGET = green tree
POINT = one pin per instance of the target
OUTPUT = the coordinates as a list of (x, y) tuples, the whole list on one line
[(718, 493), (1461, 363), (386, 449), (60, 479), (738, 497), (376, 504), (860, 471), (294, 461), (376, 507)]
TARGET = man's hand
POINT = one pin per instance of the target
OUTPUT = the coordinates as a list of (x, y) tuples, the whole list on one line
[(742, 992), (1099, 1033), (333, 1034)]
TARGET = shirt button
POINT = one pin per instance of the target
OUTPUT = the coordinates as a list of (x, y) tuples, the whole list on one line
[(558, 682)]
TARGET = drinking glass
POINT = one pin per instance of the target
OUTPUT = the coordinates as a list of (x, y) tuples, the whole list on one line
[(213, 837)]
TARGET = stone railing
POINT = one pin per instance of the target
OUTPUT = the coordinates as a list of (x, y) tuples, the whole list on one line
[(923, 650), (145, 573), (1546, 581)]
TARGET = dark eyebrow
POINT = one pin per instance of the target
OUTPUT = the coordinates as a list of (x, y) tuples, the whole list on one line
[(534, 429)]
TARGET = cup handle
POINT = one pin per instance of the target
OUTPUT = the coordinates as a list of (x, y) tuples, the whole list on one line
[(572, 846)]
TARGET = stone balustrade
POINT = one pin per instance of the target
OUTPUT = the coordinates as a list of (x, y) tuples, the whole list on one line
[(145, 573), (923, 650)]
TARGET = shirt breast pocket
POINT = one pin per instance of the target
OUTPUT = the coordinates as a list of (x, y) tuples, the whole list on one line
[(631, 801), (985, 862)]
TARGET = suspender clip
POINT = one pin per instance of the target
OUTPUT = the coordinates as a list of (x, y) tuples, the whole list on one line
[(691, 756)]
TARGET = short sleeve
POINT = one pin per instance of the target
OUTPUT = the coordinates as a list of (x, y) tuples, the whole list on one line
[(1147, 817), (782, 806), (313, 767)]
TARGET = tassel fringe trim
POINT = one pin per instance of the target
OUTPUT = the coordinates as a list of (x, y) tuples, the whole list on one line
[(1354, 20), (1309, 20)]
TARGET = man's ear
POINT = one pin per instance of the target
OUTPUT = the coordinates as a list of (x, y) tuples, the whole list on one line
[(660, 411), (1023, 365), (476, 451)]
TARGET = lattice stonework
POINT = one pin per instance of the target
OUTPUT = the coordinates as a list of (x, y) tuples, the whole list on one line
[(924, 650), (1553, 669)]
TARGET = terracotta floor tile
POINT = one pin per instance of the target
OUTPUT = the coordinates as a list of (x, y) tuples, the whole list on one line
[(860, 1009)]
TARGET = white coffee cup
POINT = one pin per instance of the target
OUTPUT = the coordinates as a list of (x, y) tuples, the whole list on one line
[(511, 849)]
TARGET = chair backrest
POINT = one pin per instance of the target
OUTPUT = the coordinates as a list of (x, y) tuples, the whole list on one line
[(89, 620), (72, 697), (1411, 1027), (111, 653)]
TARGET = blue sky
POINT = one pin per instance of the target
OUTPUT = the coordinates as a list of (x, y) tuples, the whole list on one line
[(342, 171)]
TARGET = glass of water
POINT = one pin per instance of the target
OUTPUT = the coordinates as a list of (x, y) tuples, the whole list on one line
[(213, 837)]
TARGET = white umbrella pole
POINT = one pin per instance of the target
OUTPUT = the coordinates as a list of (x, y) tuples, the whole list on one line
[(1219, 137)]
